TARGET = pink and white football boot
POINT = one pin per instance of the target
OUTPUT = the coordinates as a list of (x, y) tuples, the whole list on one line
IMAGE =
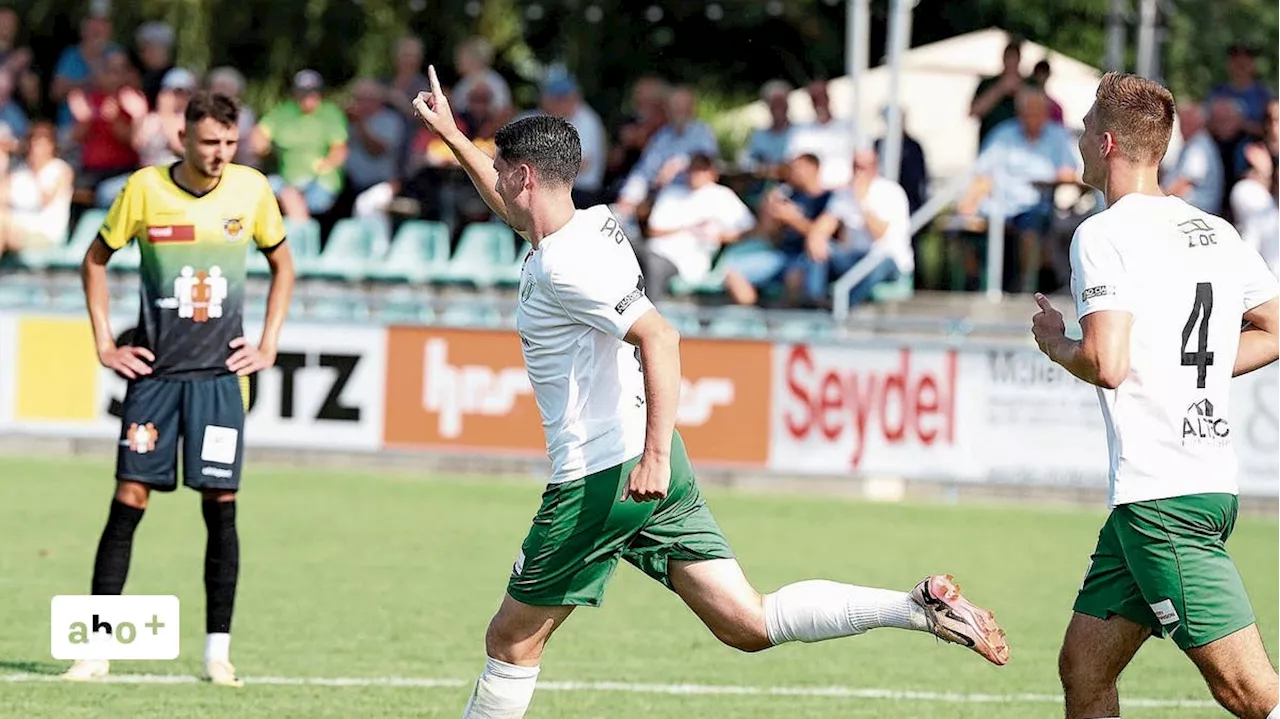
[(955, 619)]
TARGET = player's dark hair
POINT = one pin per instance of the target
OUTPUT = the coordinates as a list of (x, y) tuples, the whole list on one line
[(548, 144), (225, 110), (701, 162)]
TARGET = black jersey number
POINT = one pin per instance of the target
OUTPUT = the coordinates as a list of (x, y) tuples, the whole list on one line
[(1201, 358)]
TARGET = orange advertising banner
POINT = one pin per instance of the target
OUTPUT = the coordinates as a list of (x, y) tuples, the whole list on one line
[(467, 390)]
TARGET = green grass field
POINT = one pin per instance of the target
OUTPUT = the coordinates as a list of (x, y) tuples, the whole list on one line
[(374, 575)]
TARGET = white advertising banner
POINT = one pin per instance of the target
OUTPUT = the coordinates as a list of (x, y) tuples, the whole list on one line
[(325, 391), (868, 410)]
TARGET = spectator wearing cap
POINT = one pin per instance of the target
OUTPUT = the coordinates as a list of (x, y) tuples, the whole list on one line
[(78, 63), (308, 135), (561, 97), (688, 225), (154, 42), (1244, 87), (766, 152), (157, 136), (227, 80)]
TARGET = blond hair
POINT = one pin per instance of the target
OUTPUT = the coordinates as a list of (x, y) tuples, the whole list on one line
[(1138, 113)]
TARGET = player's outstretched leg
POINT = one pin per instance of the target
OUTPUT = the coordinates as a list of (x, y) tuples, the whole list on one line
[(111, 563), (817, 609), (1240, 675), (514, 641), (221, 569)]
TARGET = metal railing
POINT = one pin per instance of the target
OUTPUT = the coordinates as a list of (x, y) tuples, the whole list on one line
[(938, 202)]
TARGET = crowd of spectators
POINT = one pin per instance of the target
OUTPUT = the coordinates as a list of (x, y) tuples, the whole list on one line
[(809, 200)]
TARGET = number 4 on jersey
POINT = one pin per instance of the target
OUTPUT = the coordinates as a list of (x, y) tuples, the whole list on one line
[(1201, 358)]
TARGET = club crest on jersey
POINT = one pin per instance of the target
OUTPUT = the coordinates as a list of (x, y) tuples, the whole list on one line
[(526, 290), (197, 294), (141, 438), (233, 227)]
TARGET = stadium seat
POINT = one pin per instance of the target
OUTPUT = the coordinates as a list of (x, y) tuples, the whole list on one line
[(483, 249), (418, 252), (348, 251), (337, 309), (256, 265), (71, 254), (713, 283), (304, 243), (896, 291), (744, 322), (469, 315), (509, 274), (405, 312)]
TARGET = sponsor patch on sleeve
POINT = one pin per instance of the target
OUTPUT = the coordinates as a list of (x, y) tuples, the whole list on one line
[(629, 300), (1096, 292)]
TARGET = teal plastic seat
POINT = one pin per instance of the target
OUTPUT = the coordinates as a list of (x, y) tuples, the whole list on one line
[(509, 275), (348, 251), (483, 249), (256, 265), (72, 253), (418, 252), (405, 312), (738, 322), (469, 315), (337, 309), (896, 291)]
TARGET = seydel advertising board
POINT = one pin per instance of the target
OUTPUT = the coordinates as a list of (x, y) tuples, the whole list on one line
[(467, 390), (324, 391)]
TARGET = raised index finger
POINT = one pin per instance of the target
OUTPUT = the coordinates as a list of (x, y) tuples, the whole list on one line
[(435, 81)]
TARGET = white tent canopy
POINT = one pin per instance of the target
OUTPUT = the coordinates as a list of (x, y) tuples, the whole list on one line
[(937, 85)]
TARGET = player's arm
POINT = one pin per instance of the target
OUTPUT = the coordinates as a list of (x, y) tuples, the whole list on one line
[(659, 345), (1101, 356), (269, 235), (1258, 340), (123, 222), (435, 112)]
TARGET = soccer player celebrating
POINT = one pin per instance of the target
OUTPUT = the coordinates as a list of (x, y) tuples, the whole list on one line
[(1161, 288), (188, 365), (605, 369)]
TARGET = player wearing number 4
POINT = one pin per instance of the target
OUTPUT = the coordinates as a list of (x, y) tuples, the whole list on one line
[(1161, 289), (188, 365), (605, 369)]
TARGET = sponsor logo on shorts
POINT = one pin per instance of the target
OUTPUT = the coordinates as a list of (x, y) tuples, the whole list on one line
[(141, 438), (518, 567), (1201, 426), (218, 472), (219, 446), (1165, 612)]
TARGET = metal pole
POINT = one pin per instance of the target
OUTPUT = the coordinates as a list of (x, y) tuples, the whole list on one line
[(899, 42), (1117, 31), (857, 49), (1147, 13), (995, 247)]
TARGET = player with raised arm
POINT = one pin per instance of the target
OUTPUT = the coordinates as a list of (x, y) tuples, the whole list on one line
[(605, 370), (1161, 288), (188, 364)]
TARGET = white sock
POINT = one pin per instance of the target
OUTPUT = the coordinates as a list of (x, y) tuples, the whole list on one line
[(817, 609), (217, 646), (503, 691)]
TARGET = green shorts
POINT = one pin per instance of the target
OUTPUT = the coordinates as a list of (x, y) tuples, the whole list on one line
[(1163, 563), (584, 526)]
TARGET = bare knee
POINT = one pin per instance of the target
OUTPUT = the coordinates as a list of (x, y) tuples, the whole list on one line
[(504, 643), (1246, 697), (1081, 677), (218, 495), (743, 628), (132, 494)]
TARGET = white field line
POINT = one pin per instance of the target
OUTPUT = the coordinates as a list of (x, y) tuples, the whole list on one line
[(632, 688)]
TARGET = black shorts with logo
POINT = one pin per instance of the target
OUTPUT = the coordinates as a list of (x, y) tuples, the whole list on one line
[(208, 414)]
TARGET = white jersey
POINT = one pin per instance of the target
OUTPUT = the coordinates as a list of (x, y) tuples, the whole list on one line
[(1186, 277), (580, 292)]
